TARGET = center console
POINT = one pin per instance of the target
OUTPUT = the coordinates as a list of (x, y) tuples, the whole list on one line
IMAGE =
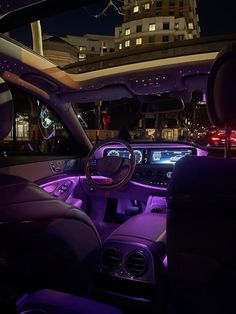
[(130, 268)]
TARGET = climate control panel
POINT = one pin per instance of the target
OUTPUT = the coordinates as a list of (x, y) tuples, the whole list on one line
[(155, 175)]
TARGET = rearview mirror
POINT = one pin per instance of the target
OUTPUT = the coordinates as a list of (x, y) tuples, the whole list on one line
[(158, 104)]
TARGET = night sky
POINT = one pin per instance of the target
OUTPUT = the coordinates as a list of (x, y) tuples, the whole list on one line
[(216, 18)]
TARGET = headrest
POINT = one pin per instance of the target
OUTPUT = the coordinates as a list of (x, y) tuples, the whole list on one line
[(203, 183), (6, 109), (221, 89)]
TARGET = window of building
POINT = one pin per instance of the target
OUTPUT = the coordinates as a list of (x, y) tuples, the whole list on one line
[(21, 127), (179, 37), (181, 3), (159, 3), (112, 50), (181, 14), (151, 39), (120, 46), (176, 26), (136, 9), (146, 6), (104, 49), (127, 31), (139, 28), (139, 41), (190, 25), (92, 49), (166, 25), (165, 38), (152, 27), (127, 43), (82, 56), (171, 13), (82, 48), (172, 3)]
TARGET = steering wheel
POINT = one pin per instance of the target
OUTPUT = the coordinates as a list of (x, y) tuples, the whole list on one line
[(109, 172)]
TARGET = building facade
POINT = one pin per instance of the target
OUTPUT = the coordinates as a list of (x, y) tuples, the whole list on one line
[(91, 45), (156, 21), (59, 51), (71, 49)]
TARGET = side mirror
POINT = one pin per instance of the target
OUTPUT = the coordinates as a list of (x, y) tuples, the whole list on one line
[(46, 123)]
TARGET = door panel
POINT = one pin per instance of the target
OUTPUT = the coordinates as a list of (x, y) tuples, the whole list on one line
[(39, 170)]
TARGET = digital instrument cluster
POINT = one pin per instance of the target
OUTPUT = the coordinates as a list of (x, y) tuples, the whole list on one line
[(151, 156), (125, 154)]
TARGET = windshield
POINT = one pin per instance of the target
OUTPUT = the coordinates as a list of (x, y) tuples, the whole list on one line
[(124, 119), (109, 34)]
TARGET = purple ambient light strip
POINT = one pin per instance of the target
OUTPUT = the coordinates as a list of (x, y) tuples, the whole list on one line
[(152, 187), (75, 179), (148, 186)]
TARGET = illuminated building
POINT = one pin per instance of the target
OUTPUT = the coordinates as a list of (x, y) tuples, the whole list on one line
[(152, 22)]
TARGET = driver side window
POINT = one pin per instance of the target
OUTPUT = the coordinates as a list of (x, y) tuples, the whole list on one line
[(36, 130)]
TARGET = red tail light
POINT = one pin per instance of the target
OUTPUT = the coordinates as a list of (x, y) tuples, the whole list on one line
[(215, 139)]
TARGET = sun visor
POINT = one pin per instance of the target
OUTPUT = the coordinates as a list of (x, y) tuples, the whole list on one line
[(6, 109), (221, 89)]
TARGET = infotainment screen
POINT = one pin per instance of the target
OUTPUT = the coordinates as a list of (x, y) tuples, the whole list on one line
[(167, 156)]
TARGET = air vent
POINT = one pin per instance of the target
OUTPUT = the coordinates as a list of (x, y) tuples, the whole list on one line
[(136, 264), (111, 259)]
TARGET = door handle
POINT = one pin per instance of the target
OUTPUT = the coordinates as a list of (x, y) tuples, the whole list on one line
[(55, 168)]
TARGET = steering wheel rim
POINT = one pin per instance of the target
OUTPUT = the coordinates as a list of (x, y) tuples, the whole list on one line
[(125, 179)]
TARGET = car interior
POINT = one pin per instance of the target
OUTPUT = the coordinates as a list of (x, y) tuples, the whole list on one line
[(119, 226)]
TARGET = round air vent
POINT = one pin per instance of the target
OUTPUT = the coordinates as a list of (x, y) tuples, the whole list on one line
[(136, 263), (111, 259)]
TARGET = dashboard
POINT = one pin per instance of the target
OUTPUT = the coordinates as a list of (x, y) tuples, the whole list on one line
[(154, 162)]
